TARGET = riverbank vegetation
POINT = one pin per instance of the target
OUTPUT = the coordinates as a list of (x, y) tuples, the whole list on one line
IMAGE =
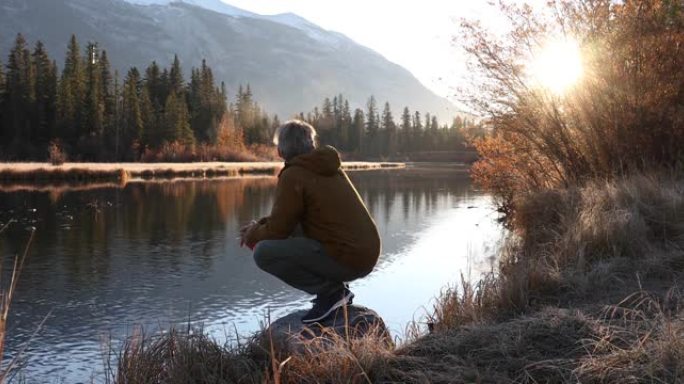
[(39, 174), (89, 112), (590, 179)]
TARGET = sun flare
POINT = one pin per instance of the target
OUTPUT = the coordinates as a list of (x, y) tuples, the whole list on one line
[(557, 66)]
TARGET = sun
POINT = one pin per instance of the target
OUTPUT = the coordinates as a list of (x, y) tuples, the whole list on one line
[(557, 66)]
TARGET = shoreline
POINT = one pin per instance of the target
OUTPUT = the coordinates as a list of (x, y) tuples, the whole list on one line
[(41, 174), (591, 298)]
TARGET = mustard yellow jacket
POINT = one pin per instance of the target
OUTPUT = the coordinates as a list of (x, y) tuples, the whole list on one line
[(315, 192)]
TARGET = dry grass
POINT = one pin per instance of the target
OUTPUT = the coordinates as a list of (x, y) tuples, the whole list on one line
[(39, 175), (583, 240), (176, 357), (79, 173), (184, 358), (641, 339), (334, 358), (624, 218), (638, 340)]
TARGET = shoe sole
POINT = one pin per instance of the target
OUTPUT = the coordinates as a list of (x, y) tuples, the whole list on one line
[(341, 303)]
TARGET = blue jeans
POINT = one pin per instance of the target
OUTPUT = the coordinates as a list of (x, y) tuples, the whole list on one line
[(302, 263)]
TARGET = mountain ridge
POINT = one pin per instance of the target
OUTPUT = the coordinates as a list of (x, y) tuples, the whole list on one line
[(290, 70)]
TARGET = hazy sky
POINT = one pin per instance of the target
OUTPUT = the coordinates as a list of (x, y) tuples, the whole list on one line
[(415, 34)]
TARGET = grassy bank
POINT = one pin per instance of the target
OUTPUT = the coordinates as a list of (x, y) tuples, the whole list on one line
[(587, 291), (43, 173)]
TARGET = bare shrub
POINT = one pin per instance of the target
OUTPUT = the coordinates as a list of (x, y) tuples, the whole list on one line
[(624, 115), (56, 155)]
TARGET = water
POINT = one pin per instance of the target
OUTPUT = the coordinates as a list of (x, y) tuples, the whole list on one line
[(106, 259)]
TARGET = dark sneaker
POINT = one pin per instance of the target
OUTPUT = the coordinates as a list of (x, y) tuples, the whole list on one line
[(349, 294), (325, 306)]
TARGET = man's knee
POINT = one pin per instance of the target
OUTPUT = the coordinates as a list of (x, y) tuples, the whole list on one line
[(265, 255)]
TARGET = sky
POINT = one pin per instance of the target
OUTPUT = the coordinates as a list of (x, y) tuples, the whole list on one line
[(418, 35)]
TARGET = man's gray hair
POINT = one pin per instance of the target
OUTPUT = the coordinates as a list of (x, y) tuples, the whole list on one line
[(294, 138)]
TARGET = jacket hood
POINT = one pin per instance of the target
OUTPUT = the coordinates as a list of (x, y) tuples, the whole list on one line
[(324, 161)]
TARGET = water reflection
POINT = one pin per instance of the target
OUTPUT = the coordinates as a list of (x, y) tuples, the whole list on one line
[(157, 254)]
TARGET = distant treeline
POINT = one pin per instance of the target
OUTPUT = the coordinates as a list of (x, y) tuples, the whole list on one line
[(376, 134), (87, 112)]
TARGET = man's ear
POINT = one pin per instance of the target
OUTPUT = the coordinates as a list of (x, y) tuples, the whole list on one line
[(280, 154)]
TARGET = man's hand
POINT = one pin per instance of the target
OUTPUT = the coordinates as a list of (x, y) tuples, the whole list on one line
[(243, 232)]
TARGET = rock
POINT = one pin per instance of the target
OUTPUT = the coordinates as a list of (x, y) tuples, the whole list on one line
[(289, 335)]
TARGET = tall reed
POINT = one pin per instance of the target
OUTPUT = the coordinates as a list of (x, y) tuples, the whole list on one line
[(6, 295)]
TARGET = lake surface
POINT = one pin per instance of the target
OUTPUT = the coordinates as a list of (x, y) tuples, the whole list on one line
[(106, 260)]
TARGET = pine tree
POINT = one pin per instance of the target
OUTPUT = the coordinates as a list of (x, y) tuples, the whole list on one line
[(356, 134), (217, 102), (456, 132), (155, 86), (427, 134), (417, 132), (132, 128), (195, 103), (247, 116), (345, 126), (176, 120), (372, 126), (2, 102), (207, 104), (149, 119), (338, 105), (71, 93), (164, 87), (46, 94), (113, 138), (326, 122), (94, 103), (434, 133), (390, 131), (155, 91), (405, 132), (20, 95), (176, 77), (108, 95)]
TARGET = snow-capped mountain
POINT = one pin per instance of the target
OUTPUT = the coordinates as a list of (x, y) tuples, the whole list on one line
[(289, 19), (212, 5), (290, 63)]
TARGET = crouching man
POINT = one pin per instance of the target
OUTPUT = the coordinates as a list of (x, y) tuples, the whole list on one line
[(340, 241)]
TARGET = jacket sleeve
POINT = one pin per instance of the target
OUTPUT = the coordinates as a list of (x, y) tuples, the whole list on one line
[(287, 211)]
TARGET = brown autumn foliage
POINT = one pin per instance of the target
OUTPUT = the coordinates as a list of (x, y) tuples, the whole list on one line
[(626, 113), (229, 146), (56, 154)]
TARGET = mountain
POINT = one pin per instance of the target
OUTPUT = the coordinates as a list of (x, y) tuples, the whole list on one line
[(290, 63), (212, 5)]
